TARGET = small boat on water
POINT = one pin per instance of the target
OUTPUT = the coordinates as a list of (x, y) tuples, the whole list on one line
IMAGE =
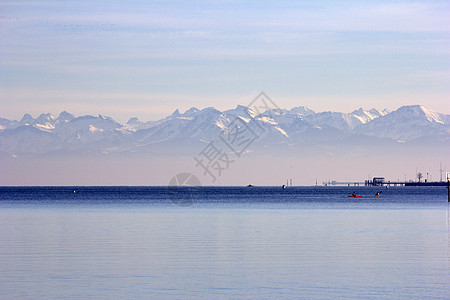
[(354, 195)]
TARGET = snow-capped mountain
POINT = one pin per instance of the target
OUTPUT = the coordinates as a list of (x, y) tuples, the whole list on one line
[(302, 111), (366, 116), (288, 129), (344, 121), (408, 123)]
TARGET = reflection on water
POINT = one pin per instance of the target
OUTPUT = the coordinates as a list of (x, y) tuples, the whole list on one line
[(206, 252)]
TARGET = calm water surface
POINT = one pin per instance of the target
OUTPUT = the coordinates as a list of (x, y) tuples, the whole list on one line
[(261, 242)]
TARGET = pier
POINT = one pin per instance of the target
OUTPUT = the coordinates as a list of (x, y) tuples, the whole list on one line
[(380, 181), (347, 183)]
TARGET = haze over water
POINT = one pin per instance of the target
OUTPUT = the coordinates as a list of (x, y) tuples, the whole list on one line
[(234, 242)]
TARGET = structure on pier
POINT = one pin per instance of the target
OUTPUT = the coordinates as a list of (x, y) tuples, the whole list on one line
[(376, 181), (380, 181)]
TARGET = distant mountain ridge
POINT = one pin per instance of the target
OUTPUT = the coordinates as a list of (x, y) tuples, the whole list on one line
[(288, 129)]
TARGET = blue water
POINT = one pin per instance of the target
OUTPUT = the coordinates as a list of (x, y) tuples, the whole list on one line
[(220, 197), (224, 242)]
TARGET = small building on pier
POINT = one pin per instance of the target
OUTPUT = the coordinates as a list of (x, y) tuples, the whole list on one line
[(376, 181)]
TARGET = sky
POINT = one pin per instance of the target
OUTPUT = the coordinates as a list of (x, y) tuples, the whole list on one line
[(148, 58)]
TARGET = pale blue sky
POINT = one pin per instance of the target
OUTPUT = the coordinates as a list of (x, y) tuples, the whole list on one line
[(147, 58)]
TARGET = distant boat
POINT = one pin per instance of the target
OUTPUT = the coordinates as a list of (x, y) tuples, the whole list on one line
[(249, 185), (354, 196)]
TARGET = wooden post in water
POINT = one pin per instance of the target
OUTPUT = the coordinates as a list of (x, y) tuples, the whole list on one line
[(448, 186), (448, 190)]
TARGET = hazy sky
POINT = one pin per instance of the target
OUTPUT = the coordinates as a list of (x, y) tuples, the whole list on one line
[(147, 58)]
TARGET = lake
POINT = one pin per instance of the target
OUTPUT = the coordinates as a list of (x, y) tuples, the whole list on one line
[(224, 243)]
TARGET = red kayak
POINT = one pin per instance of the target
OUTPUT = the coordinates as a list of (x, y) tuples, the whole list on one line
[(355, 196)]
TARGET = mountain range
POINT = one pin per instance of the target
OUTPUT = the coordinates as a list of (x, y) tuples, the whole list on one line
[(284, 130)]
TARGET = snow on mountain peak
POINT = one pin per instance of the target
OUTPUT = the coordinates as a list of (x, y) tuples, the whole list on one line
[(206, 114), (188, 113), (419, 111), (94, 129), (378, 112), (365, 116), (64, 116), (134, 121), (407, 123), (433, 116), (44, 119), (191, 111), (302, 111), (45, 122), (242, 108), (241, 111), (27, 119), (287, 126)]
